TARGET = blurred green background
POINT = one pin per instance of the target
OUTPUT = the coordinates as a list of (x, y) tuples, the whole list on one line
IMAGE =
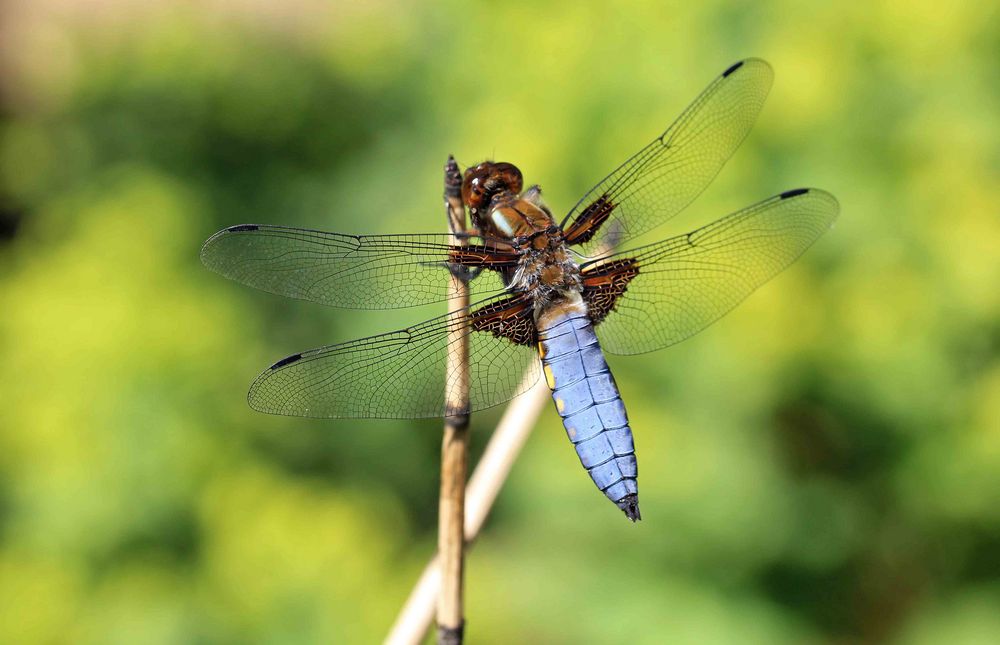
[(821, 466)]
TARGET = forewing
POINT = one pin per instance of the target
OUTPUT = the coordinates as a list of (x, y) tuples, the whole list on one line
[(685, 283), (669, 173), (350, 271), (397, 375)]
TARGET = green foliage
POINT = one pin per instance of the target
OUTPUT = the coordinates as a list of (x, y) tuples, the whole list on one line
[(822, 465)]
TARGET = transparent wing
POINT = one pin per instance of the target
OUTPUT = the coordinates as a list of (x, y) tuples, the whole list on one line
[(686, 283), (399, 375), (350, 271), (668, 174)]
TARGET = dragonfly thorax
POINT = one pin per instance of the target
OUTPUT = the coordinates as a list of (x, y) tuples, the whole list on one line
[(548, 271)]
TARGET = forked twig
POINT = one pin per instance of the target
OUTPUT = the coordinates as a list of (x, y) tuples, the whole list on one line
[(491, 472)]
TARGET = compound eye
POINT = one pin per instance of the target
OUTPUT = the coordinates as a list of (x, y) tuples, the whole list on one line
[(510, 176), (473, 192)]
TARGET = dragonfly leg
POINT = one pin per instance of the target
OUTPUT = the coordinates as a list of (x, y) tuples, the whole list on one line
[(465, 273)]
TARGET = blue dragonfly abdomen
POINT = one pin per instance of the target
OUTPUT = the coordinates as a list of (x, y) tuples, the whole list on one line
[(591, 408)]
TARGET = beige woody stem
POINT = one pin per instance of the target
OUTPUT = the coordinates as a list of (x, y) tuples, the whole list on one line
[(455, 445), (491, 472)]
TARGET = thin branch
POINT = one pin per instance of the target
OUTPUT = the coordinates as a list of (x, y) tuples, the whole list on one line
[(455, 444), (491, 472)]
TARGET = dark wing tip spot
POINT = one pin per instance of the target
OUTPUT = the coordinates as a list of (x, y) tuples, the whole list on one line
[(788, 194), (240, 228), (732, 68), (286, 361)]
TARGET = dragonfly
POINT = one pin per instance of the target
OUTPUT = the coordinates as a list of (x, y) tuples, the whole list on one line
[(549, 297)]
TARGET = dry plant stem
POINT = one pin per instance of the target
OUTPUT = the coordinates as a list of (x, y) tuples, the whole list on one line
[(455, 445), (491, 472)]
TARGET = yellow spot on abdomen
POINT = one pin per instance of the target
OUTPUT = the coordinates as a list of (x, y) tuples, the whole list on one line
[(550, 378), (560, 404)]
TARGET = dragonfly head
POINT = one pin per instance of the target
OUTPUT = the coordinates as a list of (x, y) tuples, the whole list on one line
[(487, 180)]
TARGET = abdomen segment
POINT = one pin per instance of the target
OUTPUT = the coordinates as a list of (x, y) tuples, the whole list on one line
[(591, 408)]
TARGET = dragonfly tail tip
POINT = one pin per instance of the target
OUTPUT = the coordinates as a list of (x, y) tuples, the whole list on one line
[(630, 506)]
